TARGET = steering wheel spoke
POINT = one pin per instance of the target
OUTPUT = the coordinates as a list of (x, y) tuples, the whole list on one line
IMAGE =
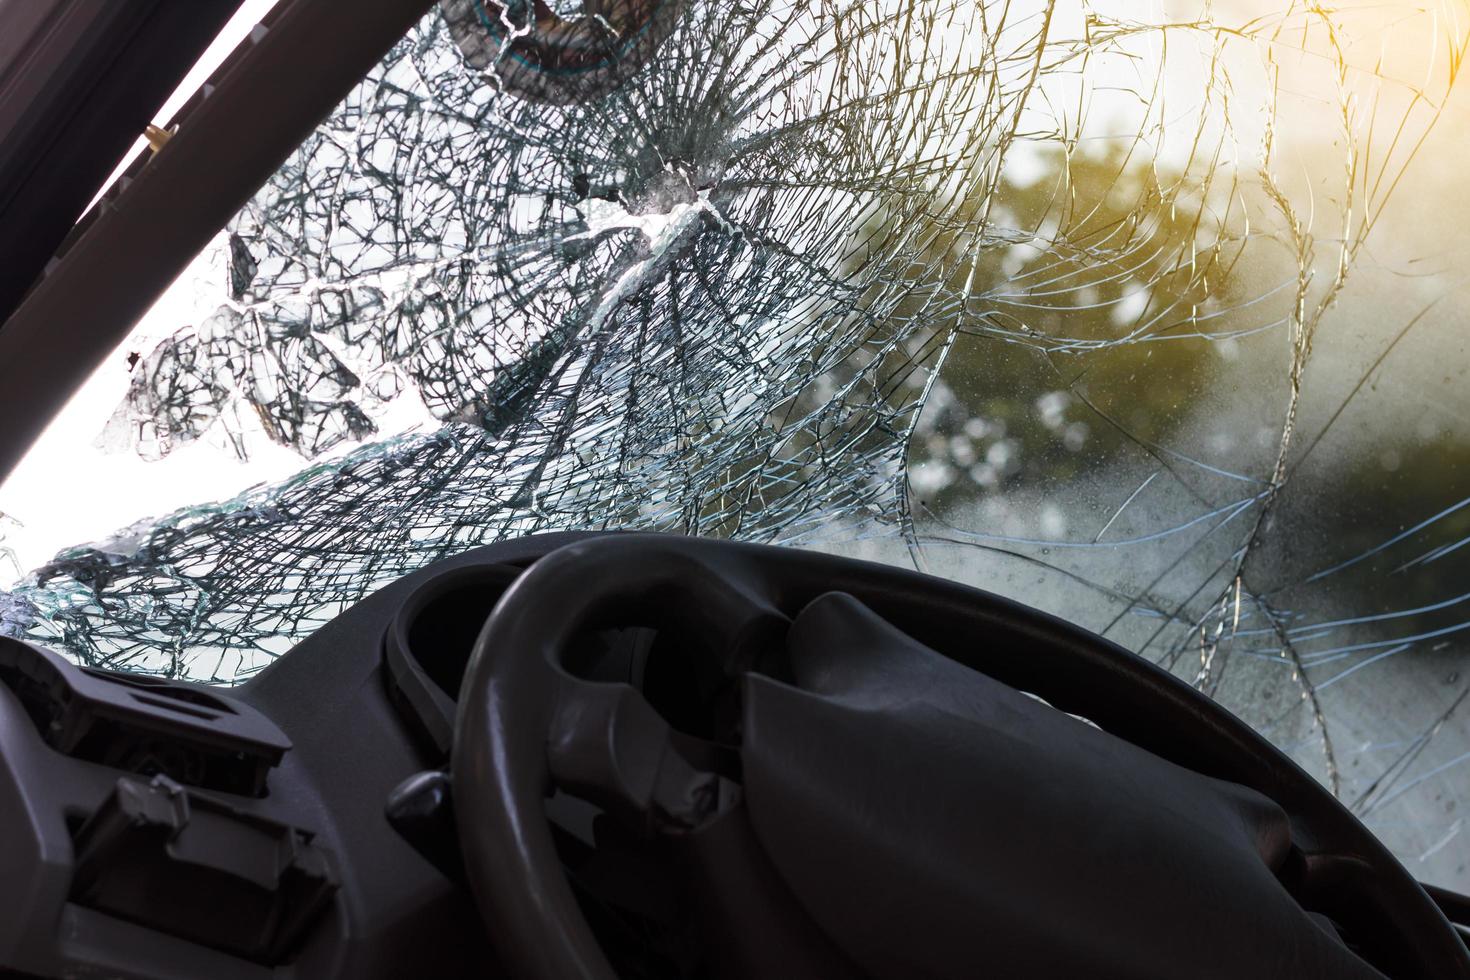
[(609, 746)]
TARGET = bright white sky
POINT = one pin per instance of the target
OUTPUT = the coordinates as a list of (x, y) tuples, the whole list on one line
[(66, 490)]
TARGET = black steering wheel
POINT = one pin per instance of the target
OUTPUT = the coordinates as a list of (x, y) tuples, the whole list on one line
[(526, 725)]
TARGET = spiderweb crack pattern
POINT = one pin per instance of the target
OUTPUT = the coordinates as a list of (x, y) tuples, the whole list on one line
[(1028, 295)]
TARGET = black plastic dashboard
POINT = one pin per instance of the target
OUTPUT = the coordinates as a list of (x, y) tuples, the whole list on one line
[(306, 823)]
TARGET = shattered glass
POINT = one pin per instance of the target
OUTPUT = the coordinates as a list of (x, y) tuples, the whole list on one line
[(1147, 318)]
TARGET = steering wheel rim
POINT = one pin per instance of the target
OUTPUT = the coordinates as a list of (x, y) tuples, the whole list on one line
[(517, 697)]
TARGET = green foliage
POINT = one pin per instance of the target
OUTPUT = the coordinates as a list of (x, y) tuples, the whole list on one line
[(1095, 301)]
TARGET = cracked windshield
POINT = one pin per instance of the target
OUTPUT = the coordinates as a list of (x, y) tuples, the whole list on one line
[(1150, 316)]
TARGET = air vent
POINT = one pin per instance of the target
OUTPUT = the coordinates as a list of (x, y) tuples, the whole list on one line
[(144, 725)]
